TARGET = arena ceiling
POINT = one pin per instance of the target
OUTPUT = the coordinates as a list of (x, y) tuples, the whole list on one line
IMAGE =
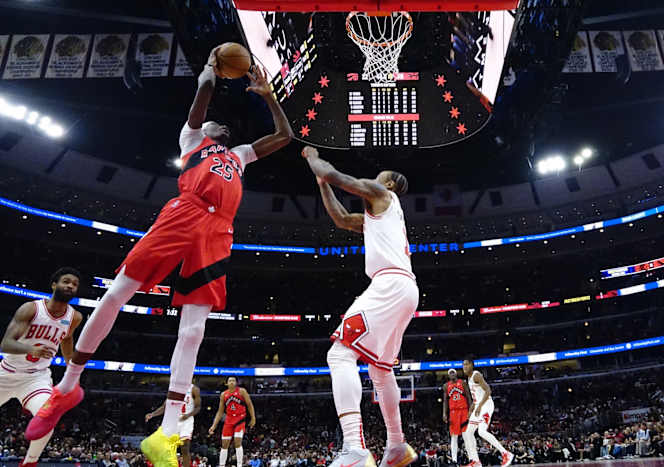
[(543, 112)]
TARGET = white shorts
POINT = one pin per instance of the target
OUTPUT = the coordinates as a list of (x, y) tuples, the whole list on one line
[(375, 323), (484, 418), (31, 389), (186, 428)]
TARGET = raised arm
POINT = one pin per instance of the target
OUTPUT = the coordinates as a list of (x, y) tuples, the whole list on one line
[(369, 190), (283, 134), (250, 407), (206, 83), (17, 327), (342, 218), (67, 344)]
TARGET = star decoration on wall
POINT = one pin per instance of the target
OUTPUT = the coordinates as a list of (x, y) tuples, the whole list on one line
[(318, 98), (440, 81), (447, 97), (304, 131), (323, 81), (454, 113), (461, 128), (311, 114)]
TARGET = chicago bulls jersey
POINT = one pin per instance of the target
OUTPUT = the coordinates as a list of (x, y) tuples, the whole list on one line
[(456, 396), (234, 403), (211, 171), (476, 390), (188, 406), (44, 330), (385, 240)]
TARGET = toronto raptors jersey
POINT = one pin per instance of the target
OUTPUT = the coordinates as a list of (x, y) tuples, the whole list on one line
[(475, 389), (211, 171), (234, 403), (188, 406), (44, 330), (385, 240), (456, 396)]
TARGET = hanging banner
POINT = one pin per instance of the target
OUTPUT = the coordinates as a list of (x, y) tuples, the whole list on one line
[(68, 56), (4, 40), (109, 56), (154, 54), (643, 51), (579, 60), (606, 46), (182, 67), (26, 56)]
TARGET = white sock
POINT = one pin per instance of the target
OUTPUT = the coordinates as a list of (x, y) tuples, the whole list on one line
[(36, 448), (71, 377), (491, 439), (470, 443), (172, 413), (239, 452), (389, 397), (223, 455), (347, 392), (454, 444)]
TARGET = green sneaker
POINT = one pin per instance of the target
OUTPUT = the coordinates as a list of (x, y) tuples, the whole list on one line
[(160, 449)]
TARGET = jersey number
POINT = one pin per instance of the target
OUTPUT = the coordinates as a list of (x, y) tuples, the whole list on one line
[(223, 169), (32, 359), (456, 397)]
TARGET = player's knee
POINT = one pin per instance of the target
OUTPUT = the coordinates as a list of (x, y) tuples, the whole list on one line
[(482, 431), (339, 355), (379, 377), (192, 333)]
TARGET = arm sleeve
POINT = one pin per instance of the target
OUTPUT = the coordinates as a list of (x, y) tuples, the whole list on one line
[(245, 153), (190, 138)]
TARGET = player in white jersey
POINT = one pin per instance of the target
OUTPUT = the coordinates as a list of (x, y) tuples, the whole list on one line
[(31, 340), (191, 408), (479, 417), (373, 327)]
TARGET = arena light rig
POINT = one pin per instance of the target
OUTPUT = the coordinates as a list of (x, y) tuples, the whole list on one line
[(31, 117)]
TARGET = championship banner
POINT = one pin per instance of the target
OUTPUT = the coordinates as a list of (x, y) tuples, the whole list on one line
[(4, 40), (606, 46), (643, 51), (68, 56), (635, 415), (26, 56), (579, 60), (182, 67), (154, 54), (109, 56)]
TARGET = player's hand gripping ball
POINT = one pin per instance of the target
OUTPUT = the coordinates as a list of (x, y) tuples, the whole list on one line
[(230, 60)]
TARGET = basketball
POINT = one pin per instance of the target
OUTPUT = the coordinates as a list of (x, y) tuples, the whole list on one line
[(233, 60)]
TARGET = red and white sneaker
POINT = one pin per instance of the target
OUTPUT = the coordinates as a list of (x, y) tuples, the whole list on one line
[(508, 457), (400, 455), (27, 464), (51, 412), (473, 464)]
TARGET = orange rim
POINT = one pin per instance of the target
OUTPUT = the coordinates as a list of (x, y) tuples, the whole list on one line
[(363, 41)]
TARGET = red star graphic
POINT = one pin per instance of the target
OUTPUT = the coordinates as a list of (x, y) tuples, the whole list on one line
[(318, 98), (440, 81), (454, 113), (323, 81), (311, 114), (461, 128), (447, 97), (305, 131)]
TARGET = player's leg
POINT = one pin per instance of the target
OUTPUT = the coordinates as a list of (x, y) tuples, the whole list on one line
[(454, 447), (186, 454), (225, 444), (470, 444), (32, 402), (237, 439), (347, 392), (389, 396), (483, 431)]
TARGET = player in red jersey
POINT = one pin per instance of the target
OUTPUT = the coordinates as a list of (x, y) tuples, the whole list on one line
[(234, 403), (455, 409), (31, 340), (195, 229)]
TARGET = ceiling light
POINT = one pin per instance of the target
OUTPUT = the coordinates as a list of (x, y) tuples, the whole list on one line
[(551, 164), (578, 160), (586, 153), (31, 117), (177, 162)]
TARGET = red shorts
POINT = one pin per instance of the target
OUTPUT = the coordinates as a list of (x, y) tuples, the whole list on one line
[(188, 231), (233, 427), (458, 421)]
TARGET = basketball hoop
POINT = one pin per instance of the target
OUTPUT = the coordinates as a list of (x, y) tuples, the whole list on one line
[(380, 36)]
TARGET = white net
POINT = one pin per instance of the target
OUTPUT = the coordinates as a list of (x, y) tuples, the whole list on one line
[(380, 37)]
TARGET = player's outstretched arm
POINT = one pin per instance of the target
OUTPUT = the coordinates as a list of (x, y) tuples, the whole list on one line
[(67, 344), (206, 83), (283, 133), (17, 327), (370, 190), (342, 218), (250, 407)]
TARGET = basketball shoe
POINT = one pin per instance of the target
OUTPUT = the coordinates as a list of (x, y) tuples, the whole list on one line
[(51, 412), (400, 455), (508, 457), (354, 458), (160, 449)]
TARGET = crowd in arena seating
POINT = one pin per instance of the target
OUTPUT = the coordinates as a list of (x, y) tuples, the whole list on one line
[(562, 420)]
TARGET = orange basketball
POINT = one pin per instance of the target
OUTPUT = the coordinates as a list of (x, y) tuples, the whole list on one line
[(233, 60)]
